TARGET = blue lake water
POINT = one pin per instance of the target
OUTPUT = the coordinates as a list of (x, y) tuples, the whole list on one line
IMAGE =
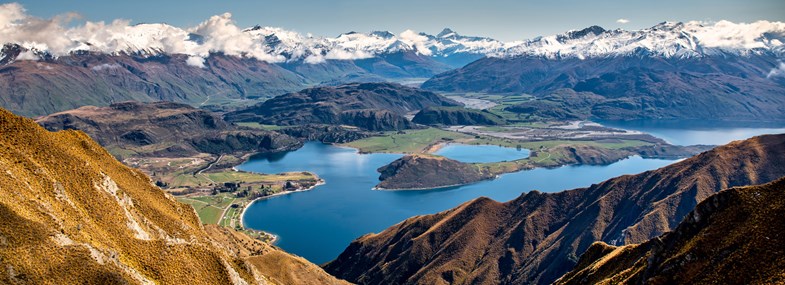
[(481, 153), (691, 132), (320, 223)]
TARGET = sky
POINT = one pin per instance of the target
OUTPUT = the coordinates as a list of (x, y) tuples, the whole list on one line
[(505, 20)]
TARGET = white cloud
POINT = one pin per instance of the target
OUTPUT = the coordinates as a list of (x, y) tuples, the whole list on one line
[(195, 61), (220, 34), (778, 71), (345, 54), (28, 55), (105, 66), (419, 42), (622, 21), (44, 66), (738, 35), (314, 59), (17, 27)]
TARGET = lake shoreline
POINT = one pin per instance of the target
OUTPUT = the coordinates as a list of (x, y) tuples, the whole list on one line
[(274, 237), (347, 207)]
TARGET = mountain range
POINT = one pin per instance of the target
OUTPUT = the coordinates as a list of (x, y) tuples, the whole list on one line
[(669, 71), (219, 65)]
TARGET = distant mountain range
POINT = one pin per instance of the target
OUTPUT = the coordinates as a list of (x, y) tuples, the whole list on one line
[(219, 34), (672, 70), (217, 63)]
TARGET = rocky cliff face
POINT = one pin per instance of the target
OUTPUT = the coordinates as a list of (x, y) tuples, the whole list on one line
[(165, 128), (418, 171), (372, 106), (732, 237), (70, 213), (538, 237), (452, 116)]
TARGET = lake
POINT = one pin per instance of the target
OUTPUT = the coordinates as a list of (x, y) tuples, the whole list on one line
[(481, 153), (692, 132), (320, 223)]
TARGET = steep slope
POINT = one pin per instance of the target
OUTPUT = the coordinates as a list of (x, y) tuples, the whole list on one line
[(71, 214), (372, 106), (49, 85), (732, 237), (451, 116), (164, 129), (537, 237)]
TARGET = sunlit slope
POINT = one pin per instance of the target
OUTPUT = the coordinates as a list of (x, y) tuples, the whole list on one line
[(70, 213)]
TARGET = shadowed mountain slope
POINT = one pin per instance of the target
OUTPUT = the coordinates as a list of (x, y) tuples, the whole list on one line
[(733, 237), (538, 237)]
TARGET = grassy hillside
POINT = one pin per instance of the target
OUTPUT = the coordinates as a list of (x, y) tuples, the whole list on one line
[(70, 213)]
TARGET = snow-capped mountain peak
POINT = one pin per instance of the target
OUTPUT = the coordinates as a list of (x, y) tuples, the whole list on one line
[(446, 33), (219, 33), (666, 39)]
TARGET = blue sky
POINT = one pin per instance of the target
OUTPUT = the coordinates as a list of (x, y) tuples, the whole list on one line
[(501, 19)]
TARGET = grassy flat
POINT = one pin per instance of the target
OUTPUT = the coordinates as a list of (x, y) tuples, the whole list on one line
[(256, 125), (411, 141)]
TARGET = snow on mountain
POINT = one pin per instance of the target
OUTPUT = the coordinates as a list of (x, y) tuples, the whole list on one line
[(667, 39), (220, 34)]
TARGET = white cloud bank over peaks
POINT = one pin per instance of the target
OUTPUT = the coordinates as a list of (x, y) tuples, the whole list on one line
[(622, 21), (217, 34), (59, 36), (419, 42)]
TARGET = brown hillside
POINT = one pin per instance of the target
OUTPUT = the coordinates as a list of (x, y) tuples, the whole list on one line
[(538, 237), (164, 129), (733, 237), (419, 171), (70, 213)]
